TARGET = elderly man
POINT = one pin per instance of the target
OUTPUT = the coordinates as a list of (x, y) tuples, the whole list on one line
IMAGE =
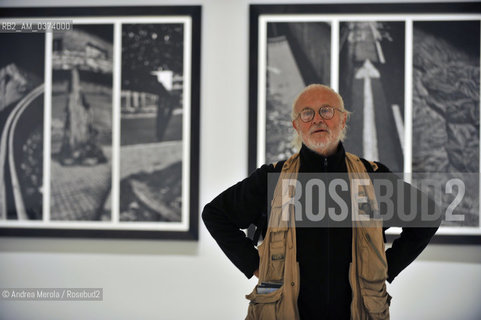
[(312, 272)]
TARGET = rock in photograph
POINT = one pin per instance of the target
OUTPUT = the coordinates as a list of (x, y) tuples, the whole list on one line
[(81, 126), (446, 107)]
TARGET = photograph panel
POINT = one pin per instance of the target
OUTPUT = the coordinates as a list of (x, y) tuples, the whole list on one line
[(81, 127), (152, 103), (298, 54), (446, 89), (371, 82), (22, 61)]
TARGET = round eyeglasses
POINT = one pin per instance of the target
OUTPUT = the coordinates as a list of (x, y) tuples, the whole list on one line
[(326, 113)]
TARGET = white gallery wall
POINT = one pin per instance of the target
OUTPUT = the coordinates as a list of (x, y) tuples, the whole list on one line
[(148, 279)]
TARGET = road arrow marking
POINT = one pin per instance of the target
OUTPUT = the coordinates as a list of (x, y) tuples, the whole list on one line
[(369, 132)]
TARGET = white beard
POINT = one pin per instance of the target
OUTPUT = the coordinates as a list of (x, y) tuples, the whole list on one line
[(320, 146)]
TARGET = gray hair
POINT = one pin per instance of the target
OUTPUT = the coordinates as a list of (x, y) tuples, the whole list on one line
[(296, 141)]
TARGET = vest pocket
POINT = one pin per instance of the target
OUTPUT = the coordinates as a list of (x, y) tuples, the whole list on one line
[(373, 261), (373, 275), (277, 259), (277, 256), (376, 303), (264, 306)]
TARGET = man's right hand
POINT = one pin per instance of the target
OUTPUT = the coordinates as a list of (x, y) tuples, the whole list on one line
[(256, 273)]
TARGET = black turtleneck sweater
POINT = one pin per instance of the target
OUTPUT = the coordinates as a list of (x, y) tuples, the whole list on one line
[(323, 253)]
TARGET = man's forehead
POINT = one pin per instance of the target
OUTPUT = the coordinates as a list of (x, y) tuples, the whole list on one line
[(317, 97)]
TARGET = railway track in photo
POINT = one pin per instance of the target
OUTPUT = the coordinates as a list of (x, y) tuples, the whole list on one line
[(12, 197)]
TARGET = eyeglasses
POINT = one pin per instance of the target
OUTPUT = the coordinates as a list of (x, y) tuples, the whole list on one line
[(326, 112)]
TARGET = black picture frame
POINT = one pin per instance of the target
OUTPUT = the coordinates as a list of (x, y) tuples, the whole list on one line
[(175, 216), (284, 13)]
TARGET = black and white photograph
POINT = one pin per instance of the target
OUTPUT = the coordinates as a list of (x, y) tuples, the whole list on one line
[(411, 82), (298, 53), (371, 82), (152, 122), (21, 125), (100, 124), (81, 123), (446, 70)]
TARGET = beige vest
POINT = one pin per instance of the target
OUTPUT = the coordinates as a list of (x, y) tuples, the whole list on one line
[(367, 271)]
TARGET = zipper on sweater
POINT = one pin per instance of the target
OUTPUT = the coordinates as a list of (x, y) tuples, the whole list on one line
[(328, 255)]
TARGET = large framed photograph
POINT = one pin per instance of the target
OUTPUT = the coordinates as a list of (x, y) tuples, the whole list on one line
[(100, 122), (409, 73)]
